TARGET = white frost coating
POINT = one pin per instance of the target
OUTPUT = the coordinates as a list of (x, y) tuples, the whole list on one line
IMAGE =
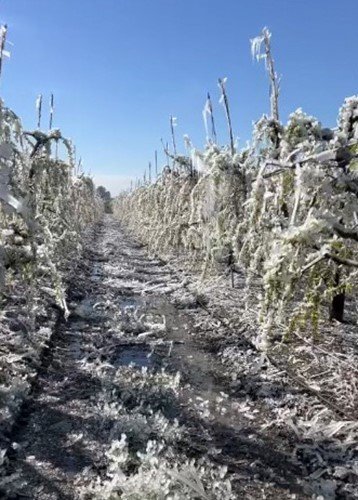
[(256, 44), (38, 101)]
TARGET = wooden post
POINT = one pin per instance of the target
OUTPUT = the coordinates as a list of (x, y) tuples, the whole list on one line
[(39, 110), (172, 125), (227, 113), (256, 43), (3, 34), (166, 152), (274, 83), (209, 110), (51, 111), (213, 129)]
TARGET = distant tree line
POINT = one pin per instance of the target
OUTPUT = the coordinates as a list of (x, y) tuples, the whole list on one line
[(105, 195)]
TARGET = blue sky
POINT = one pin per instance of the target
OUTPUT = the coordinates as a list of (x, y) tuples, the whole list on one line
[(119, 68)]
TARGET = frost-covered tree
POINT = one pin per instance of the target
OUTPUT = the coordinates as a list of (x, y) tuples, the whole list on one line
[(284, 210), (44, 205)]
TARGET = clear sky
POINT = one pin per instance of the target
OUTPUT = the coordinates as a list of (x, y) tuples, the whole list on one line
[(119, 68)]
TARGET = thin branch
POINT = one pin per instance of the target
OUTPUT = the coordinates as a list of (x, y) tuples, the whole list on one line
[(165, 149), (335, 258), (182, 160), (313, 263), (328, 157), (42, 139), (340, 260), (343, 232)]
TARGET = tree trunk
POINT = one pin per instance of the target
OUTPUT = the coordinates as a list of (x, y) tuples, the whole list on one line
[(337, 306)]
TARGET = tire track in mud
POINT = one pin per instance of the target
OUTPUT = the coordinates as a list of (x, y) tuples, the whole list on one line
[(124, 317)]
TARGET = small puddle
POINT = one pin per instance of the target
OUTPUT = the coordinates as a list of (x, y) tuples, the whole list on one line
[(197, 367), (85, 311), (139, 355), (178, 352), (97, 271), (132, 302)]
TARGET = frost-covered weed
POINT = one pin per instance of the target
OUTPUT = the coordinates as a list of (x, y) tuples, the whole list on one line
[(143, 460), (160, 473)]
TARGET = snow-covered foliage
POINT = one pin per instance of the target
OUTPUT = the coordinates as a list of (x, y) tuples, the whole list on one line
[(284, 209), (44, 204)]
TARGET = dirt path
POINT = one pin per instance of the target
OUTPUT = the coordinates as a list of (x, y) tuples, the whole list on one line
[(134, 359)]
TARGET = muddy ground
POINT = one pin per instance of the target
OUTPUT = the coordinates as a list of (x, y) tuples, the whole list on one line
[(143, 393)]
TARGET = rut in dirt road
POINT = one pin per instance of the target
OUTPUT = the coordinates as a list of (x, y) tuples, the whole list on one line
[(130, 393)]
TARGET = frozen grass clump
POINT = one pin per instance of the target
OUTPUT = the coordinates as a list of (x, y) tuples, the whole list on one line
[(158, 472)]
